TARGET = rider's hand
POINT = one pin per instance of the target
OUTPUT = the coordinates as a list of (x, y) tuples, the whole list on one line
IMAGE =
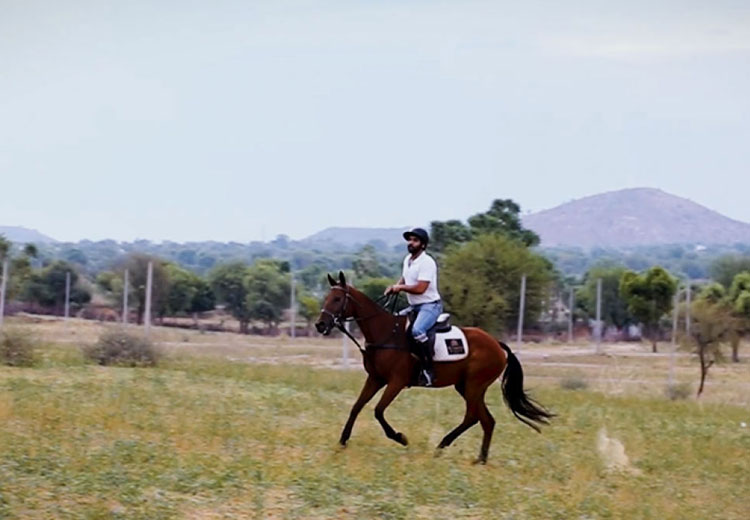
[(392, 289)]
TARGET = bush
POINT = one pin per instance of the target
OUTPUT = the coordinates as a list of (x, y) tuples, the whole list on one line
[(122, 349), (573, 383), (17, 348), (678, 391)]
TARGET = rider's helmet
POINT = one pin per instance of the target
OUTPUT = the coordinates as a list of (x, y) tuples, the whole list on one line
[(418, 232)]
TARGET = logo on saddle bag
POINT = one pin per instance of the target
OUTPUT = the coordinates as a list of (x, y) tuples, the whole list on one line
[(454, 346)]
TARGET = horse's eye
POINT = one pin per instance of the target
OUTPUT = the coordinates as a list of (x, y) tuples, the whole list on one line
[(337, 299)]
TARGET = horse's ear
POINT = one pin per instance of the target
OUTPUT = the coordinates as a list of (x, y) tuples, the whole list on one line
[(342, 279), (331, 280)]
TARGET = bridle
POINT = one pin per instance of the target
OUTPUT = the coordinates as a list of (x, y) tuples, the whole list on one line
[(338, 319), (338, 316)]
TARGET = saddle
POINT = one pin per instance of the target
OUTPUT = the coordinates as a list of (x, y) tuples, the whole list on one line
[(445, 342)]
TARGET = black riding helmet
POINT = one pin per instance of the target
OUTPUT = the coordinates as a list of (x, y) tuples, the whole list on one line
[(418, 232)]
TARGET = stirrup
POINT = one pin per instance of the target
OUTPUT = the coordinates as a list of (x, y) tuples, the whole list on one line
[(425, 378)]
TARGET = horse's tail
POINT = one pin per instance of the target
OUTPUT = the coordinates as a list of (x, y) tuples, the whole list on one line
[(523, 407)]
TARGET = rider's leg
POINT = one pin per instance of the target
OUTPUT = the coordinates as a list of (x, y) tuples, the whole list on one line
[(426, 318)]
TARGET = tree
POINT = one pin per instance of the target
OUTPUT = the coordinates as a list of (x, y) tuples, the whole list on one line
[(725, 268), (4, 247), (366, 263), (614, 310), (268, 290), (228, 283), (188, 292), (309, 308), (47, 287), (312, 277), (649, 297), (503, 218), (712, 325), (20, 267), (30, 251), (443, 234), (374, 287), (738, 298), (137, 266), (480, 282)]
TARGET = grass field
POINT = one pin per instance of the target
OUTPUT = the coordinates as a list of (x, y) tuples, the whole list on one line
[(238, 427)]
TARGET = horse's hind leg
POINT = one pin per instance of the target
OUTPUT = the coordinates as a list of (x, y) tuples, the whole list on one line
[(488, 426), (368, 391), (390, 393), (470, 419)]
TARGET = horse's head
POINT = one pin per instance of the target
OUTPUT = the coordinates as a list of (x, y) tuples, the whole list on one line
[(336, 307)]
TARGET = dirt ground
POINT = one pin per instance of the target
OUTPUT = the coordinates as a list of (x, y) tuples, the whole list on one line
[(620, 368)]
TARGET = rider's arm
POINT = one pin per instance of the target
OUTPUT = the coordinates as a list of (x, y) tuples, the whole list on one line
[(417, 288)]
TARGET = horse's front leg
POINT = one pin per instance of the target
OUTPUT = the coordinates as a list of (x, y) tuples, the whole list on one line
[(390, 393), (371, 387)]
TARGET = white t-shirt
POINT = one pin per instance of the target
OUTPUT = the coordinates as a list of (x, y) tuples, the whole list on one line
[(422, 268)]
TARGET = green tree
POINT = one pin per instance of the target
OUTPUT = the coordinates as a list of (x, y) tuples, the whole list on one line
[(374, 287), (480, 282), (443, 234), (4, 248), (268, 290), (188, 292), (503, 218), (309, 308), (366, 264), (313, 277), (47, 287), (712, 325), (228, 283), (614, 309), (649, 297), (19, 268), (713, 293), (725, 268), (137, 266), (738, 298)]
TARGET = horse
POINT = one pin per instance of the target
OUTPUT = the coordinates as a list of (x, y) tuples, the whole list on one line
[(388, 362)]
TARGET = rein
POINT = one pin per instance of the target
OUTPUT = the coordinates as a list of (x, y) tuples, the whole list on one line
[(339, 323)]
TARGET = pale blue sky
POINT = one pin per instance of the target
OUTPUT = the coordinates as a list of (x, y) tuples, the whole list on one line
[(239, 120)]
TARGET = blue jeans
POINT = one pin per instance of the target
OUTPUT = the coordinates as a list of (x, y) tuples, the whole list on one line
[(427, 315)]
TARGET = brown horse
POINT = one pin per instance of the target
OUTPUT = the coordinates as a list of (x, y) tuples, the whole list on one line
[(388, 362)]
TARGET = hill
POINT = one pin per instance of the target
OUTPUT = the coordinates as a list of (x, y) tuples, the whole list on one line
[(24, 236), (634, 217), (354, 238)]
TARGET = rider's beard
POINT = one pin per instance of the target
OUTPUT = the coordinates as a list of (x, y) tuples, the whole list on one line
[(413, 249)]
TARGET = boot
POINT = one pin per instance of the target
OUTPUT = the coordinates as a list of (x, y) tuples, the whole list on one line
[(427, 374)]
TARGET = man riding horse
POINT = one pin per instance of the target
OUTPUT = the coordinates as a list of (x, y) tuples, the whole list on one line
[(419, 282)]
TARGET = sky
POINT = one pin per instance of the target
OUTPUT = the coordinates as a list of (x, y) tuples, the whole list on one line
[(241, 120)]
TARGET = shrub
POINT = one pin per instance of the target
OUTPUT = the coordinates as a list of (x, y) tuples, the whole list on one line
[(17, 348), (122, 349), (678, 391), (573, 383)]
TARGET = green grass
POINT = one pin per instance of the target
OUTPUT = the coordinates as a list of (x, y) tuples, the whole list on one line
[(206, 438)]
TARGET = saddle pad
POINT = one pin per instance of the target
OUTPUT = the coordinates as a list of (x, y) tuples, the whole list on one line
[(451, 345)]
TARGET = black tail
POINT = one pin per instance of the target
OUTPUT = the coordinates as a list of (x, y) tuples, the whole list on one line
[(523, 407)]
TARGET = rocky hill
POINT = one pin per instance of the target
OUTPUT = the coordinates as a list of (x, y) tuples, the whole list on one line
[(354, 238), (630, 217), (23, 235)]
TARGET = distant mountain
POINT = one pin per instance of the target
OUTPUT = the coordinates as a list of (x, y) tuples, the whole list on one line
[(353, 238), (23, 235), (634, 217)]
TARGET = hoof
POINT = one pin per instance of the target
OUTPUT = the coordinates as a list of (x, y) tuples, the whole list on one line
[(438, 452), (480, 460), (342, 443), (401, 439)]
